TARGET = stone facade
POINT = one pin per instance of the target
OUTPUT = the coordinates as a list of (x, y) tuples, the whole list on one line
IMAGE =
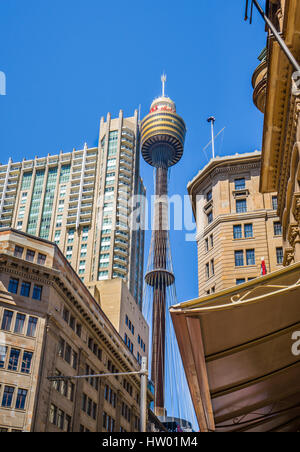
[(236, 225), (280, 171), (51, 325)]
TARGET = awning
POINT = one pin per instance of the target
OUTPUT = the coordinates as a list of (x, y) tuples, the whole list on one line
[(236, 348)]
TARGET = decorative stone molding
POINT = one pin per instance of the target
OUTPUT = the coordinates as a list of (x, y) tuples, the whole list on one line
[(293, 234), (288, 257), (296, 207)]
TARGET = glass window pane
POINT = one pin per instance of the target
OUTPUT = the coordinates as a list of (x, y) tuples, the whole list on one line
[(14, 359), (13, 285), (237, 231), (21, 399), (31, 329), (19, 325), (279, 255), (26, 362), (240, 184), (37, 292), (7, 396), (6, 321), (241, 205), (277, 228), (30, 255), (25, 289), (3, 353), (239, 258), (250, 255), (248, 230)]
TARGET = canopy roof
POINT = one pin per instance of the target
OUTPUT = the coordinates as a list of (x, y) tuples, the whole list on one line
[(236, 348)]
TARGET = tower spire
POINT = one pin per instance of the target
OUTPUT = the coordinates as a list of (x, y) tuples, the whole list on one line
[(163, 80)]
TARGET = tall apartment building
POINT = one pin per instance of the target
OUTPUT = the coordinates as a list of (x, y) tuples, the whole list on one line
[(236, 225), (83, 201), (51, 325)]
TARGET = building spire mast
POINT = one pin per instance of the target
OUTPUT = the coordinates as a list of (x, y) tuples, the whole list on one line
[(163, 80)]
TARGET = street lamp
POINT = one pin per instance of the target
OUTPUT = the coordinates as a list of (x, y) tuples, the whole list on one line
[(143, 397)]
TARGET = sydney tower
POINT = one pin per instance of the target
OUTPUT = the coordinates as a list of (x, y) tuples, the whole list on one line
[(162, 137)]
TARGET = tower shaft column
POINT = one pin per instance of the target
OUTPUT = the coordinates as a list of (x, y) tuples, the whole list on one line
[(160, 286)]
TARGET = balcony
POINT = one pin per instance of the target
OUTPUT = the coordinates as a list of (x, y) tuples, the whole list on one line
[(259, 83)]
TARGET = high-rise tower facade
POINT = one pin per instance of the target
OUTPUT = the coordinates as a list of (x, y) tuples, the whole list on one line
[(82, 201), (162, 135)]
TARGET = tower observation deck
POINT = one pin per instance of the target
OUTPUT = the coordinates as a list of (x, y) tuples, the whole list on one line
[(162, 143)]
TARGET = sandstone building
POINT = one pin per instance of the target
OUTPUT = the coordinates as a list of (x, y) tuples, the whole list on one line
[(236, 225), (277, 95), (51, 325)]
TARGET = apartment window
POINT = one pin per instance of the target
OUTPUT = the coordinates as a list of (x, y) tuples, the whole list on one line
[(83, 251), (37, 292), (71, 235), (78, 329), (41, 260), (72, 322), (31, 328), (277, 228), (7, 396), (68, 352), (60, 419), (53, 414), (206, 245), (85, 233), (212, 267), (209, 196), (248, 231), (26, 362), (14, 359), (210, 217), (68, 423), (66, 315), (240, 184), (57, 237), (21, 399), (74, 360), (13, 285), (250, 257), (19, 325), (241, 205), (207, 270), (237, 231), (279, 255), (59, 220), (239, 258), (6, 321), (274, 202), (18, 251), (30, 255), (69, 252), (83, 402), (211, 240), (240, 281), (25, 289), (3, 353)]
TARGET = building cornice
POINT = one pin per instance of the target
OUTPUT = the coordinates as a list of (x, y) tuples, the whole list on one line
[(221, 165)]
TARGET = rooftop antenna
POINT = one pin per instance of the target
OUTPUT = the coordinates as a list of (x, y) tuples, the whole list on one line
[(212, 121), (163, 80)]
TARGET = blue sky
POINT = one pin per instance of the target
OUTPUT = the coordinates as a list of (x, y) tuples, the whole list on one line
[(68, 63)]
